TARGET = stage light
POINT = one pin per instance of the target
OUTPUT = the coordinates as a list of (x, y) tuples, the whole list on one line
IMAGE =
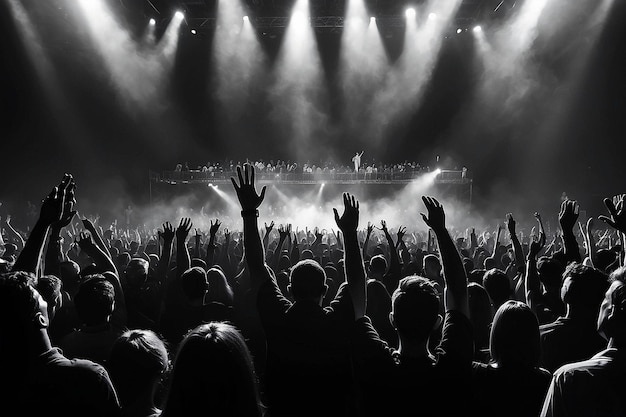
[(410, 13), (478, 29), (246, 19), (432, 16), (193, 31), (179, 15), (438, 171), (152, 22), (372, 20), (459, 30)]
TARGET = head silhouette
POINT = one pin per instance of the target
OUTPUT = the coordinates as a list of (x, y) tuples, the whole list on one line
[(213, 371)]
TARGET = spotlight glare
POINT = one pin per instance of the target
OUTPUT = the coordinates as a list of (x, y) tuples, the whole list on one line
[(459, 30), (152, 22), (478, 29), (246, 19), (410, 13), (432, 16), (193, 31), (372, 20), (179, 15), (438, 171)]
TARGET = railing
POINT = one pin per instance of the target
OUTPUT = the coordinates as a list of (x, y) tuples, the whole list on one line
[(193, 176)]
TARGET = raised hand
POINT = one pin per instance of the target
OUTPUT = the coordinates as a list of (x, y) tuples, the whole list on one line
[(349, 221), (227, 235), (383, 226), (246, 191), (370, 228), (401, 232), (269, 227), (183, 229), (65, 220), (283, 232), (510, 224), (436, 218), (617, 212), (85, 242), (536, 245), (214, 227), (59, 203), (568, 215), (168, 232)]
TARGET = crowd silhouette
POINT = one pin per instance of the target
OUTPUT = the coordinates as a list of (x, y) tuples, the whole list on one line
[(271, 321)]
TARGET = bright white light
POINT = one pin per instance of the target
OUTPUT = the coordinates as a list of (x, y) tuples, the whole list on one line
[(152, 22), (179, 15), (372, 20), (432, 16), (246, 19), (478, 29), (298, 17), (193, 31), (459, 30), (410, 13), (438, 171)]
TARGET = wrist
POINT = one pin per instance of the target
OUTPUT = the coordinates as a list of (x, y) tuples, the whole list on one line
[(250, 213)]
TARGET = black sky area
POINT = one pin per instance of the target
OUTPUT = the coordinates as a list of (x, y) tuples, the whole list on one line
[(110, 150)]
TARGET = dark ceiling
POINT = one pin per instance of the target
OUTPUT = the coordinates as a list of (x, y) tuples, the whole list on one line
[(325, 14)]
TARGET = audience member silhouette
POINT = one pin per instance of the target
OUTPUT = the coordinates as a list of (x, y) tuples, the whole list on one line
[(213, 374)]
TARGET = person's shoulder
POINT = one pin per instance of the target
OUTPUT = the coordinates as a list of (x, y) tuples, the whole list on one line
[(554, 326), (78, 368), (587, 368)]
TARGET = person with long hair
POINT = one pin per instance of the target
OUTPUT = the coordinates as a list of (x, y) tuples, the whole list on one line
[(512, 383), (138, 362), (213, 374)]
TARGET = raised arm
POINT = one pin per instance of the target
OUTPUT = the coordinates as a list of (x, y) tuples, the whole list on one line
[(294, 255), (210, 247), (198, 242), (455, 279), (183, 260), (348, 223), (368, 233), (19, 240), (591, 241), (533, 285), (54, 251), (266, 236), (496, 243), (250, 201), (393, 274), (54, 207), (517, 246), (283, 233), (96, 236), (617, 220), (567, 219), (166, 252), (102, 261)]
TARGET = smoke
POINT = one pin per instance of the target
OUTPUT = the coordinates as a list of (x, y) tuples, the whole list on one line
[(139, 73), (298, 95)]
